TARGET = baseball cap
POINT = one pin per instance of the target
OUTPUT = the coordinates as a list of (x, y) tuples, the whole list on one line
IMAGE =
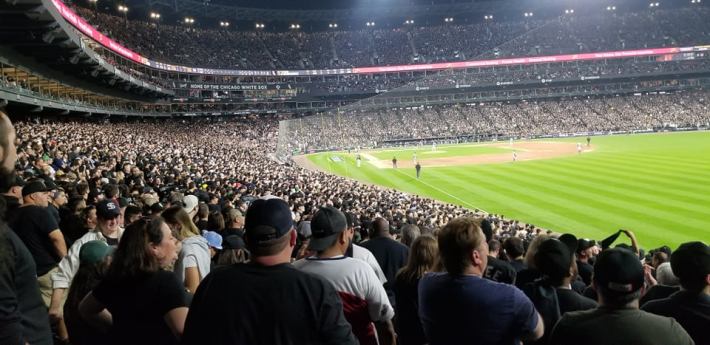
[(691, 263), (93, 252), (553, 258), (107, 209), (618, 270), (16, 181), (214, 239), (267, 219), (190, 202), (570, 241), (32, 187), (584, 244), (327, 223)]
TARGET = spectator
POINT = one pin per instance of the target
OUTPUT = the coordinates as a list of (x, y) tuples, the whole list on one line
[(409, 233), (364, 299), (94, 259), (664, 285), (618, 279), (107, 231), (498, 270), (11, 190), (280, 305), (514, 250), (40, 232), (690, 306), (423, 255), (138, 302), (356, 251), (459, 306), (234, 251), (23, 316), (193, 262), (390, 254), (584, 255), (553, 295)]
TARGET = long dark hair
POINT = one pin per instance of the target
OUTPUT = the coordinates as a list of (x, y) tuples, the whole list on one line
[(133, 257), (86, 279), (422, 259)]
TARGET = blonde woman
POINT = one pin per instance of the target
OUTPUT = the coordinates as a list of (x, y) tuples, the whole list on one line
[(193, 262)]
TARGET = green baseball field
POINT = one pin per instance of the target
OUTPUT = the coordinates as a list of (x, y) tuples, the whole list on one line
[(657, 185)]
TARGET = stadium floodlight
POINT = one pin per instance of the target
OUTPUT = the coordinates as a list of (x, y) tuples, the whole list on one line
[(93, 1), (370, 24), (333, 25), (528, 14), (154, 15), (189, 20), (653, 4), (259, 25), (489, 17), (570, 11), (122, 8), (409, 22), (448, 19), (224, 24), (694, 1), (295, 26), (611, 8)]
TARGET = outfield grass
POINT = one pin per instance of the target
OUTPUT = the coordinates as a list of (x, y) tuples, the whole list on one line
[(656, 185)]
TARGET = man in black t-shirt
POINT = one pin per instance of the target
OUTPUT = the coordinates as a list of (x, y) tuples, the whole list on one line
[(266, 301), (38, 229), (390, 254), (584, 255), (23, 318), (497, 269)]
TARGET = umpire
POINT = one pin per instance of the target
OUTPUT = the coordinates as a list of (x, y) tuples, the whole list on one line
[(419, 169)]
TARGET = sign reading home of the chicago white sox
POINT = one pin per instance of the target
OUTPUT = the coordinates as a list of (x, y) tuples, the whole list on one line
[(233, 87)]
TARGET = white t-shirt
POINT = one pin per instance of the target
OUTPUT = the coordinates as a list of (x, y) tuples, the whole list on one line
[(364, 254), (361, 292)]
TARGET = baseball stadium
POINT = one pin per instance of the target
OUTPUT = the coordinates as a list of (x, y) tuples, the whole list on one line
[(376, 172)]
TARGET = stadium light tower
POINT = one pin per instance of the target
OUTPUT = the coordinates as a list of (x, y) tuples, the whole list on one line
[(224, 24), (489, 17), (448, 20), (295, 26), (259, 25), (569, 11), (333, 25), (189, 20), (654, 4), (154, 15), (694, 1), (370, 24), (123, 9), (611, 8), (528, 14), (409, 22)]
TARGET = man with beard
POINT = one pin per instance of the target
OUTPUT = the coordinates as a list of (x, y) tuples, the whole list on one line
[(23, 316)]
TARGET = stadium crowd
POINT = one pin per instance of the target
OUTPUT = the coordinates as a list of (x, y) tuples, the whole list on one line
[(115, 228), (486, 121), (235, 49)]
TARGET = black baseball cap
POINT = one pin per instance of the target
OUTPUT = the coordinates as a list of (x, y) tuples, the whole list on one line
[(107, 209), (569, 240), (619, 271), (327, 223), (266, 219), (691, 263), (584, 244), (554, 258), (35, 186)]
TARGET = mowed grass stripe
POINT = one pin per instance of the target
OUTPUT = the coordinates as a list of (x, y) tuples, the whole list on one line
[(567, 218), (598, 205), (655, 166), (632, 189), (633, 175), (512, 194)]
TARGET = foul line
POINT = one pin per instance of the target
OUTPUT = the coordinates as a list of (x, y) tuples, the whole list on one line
[(445, 192)]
